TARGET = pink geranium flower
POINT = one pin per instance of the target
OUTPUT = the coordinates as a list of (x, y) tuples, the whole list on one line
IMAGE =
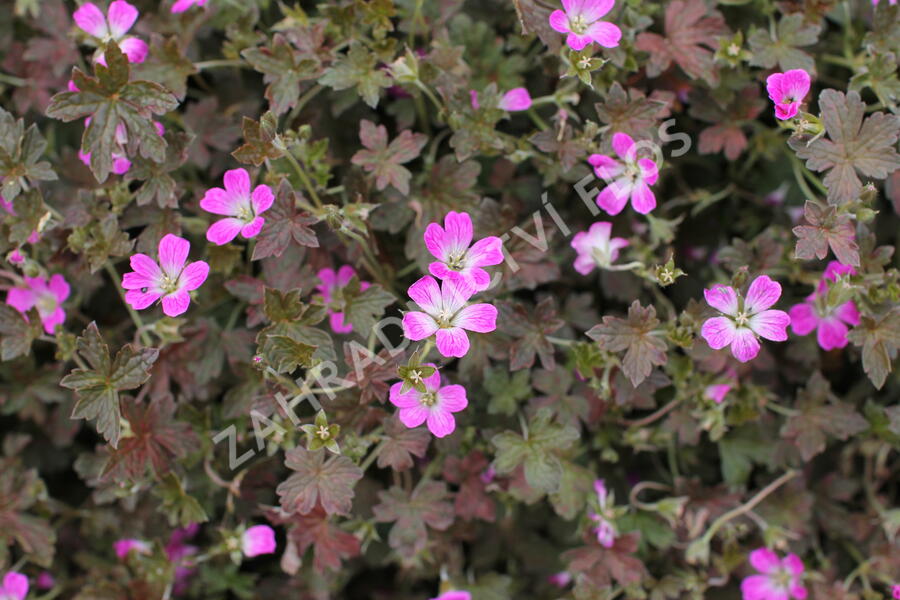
[(446, 315), (454, 595), (595, 247), (514, 100), (895, 591), (580, 19), (259, 539), (170, 280), (435, 406), (331, 284), (717, 392), (746, 318), (240, 206), (47, 295), (179, 553), (780, 578), (829, 321), (787, 91), (15, 586), (182, 5), (561, 579), (605, 530), (112, 27), (456, 260), (630, 177), (125, 546)]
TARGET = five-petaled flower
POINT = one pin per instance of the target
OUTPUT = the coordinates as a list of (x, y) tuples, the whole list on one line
[(456, 260), (329, 288), (170, 280), (816, 314), (787, 91), (630, 177), (257, 540), (241, 207), (780, 579), (112, 27), (580, 19), (435, 406), (746, 318), (596, 248), (182, 5), (446, 315), (14, 587), (46, 295)]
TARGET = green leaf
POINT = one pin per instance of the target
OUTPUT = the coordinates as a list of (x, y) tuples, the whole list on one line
[(284, 69), (739, 451), (359, 69), (16, 334), (385, 160), (181, 508), (506, 391), (167, 65), (97, 388), (99, 241), (363, 308), (536, 451), (317, 481), (110, 100), (284, 225), (826, 228), (880, 340), (793, 31), (20, 154), (261, 141), (286, 354), (635, 336)]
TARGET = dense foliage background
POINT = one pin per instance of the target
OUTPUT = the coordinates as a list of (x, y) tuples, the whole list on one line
[(141, 440)]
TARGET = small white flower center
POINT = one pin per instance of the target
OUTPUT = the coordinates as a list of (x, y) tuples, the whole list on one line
[(428, 399), (323, 432), (578, 24), (456, 260), (443, 319), (46, 304), (742, 318)]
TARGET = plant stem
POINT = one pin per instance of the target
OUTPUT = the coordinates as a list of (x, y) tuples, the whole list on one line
[(213, 64), (135, 317), (372, 455), (304, 178), (12, 80)]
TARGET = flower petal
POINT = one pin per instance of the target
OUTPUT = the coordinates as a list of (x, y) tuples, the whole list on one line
[(516, 99), (336, 320), (847, 313), (605, 34), (452, 398), (224, 230), (252, 228), (440, 423), (140, 300), (121, 16), (592, 10), (220, 202), (91, 20), (622, 144), (803, 318), (259, 539), (436, 241), (756, 587), (763, 293), (176, 303), (452, 342), (237, 181), (722, 298), (50, 321), (408, 399), (262, 199), (59, 287), (427, 294), (173, 251), (16, 585), (458, 229), (832, 334), (21, 299), (764, 560), (643, 199), (578, 42), (413, 416), (136, 50), (454, 294), (558, 21), (418, 325), (481, 318), (194, 275), (485, 252), (745, 346), (718, 332), (614, 197), (771, 325), (649, 171)]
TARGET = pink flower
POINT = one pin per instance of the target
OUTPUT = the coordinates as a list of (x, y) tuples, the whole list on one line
[(830, 321), (182, 5), (170, 280), (892, 3), (895, 591), (454, 595), (47, 295), (717, 392), (561, 579), (595, 248), (456, 260), (605, 530), (780, 579), (787, 91), (516, 99), (435, 405), (240, 206), (745, 318), (581, 20), (178, 551), (45, 580), (120, 163), (446, 315), (629, 178), (259, 539), (118, 21), (15, 586), (125, 546), (331, 284)]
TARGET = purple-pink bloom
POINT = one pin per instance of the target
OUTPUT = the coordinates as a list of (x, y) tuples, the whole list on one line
[(456, 260), (717, 392), (446, 315), (561, 579), (630, 177), (746, 318), (331, 284), (580, 19), (605, 530), (242, 207), (259, 539), (435, 406), (45, 580), (787, 91), (895, 591), (112, 27), (182, 5), (15, 586), (46, 295), (454, 595), (595, 247), (178, 551), (780, 579), (170, 279), (829, 321), (124, 546), (515, 99)]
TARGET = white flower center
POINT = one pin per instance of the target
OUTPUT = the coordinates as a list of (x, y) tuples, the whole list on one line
[(578, 24), (456, 260), (428, 399)]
